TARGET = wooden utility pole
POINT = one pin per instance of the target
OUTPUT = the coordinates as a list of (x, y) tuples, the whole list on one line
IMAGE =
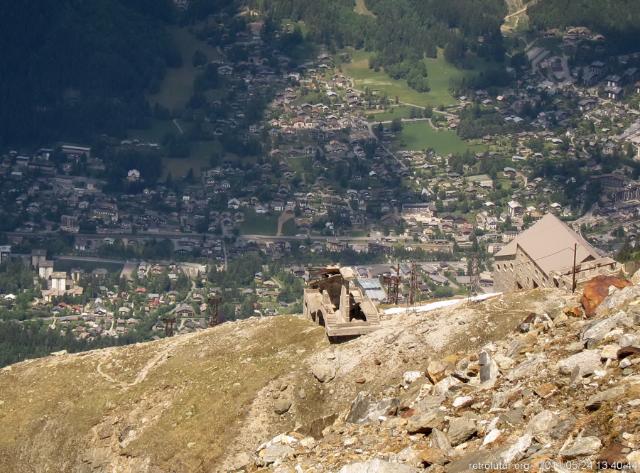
[(573, 283)]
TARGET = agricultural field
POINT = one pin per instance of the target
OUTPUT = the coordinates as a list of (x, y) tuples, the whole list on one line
[(421, 135), (441, 74), (255, 224)]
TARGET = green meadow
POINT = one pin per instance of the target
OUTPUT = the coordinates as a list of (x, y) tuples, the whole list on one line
[(441, 74), (418, 136)]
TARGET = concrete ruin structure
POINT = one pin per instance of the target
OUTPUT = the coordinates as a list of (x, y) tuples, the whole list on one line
[(333, 300), (544, 256)]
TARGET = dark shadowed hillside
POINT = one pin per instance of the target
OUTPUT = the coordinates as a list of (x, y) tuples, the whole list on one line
[(80, 67)]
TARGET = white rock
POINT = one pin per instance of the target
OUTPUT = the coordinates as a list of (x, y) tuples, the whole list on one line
[(517, 450), (411, 376), (308, 442), (586, 362), (443, 386), (462, 401), (634, 460), (491, 437), (629, 340)]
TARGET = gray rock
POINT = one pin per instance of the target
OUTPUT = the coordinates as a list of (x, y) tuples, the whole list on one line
[(440, 440), (282, 406), (542, 423), (377, 466), (273, 453), (618, 299), (425, 422), (527, 367), (488, 368), (461, 429), (513, 417), (596, 331), (595, 401), (582, 446), (324, 372), (581, 364), (359, 408), (629, 340), (563, 427), (363, 409), (429, 402)]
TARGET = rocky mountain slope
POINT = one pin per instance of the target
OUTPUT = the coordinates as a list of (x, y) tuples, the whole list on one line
[(524, 378)]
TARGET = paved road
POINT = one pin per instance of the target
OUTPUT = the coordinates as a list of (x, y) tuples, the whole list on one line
[(173, 235), (405, 120), (89, 259)]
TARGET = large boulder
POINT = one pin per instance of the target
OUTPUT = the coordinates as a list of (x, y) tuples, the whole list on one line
[(618, 299), (597, 290), (581, 364), (597, 331)]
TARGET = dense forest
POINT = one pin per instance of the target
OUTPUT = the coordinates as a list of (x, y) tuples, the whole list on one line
[(75, 68), (618, 20), (21, 341)]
